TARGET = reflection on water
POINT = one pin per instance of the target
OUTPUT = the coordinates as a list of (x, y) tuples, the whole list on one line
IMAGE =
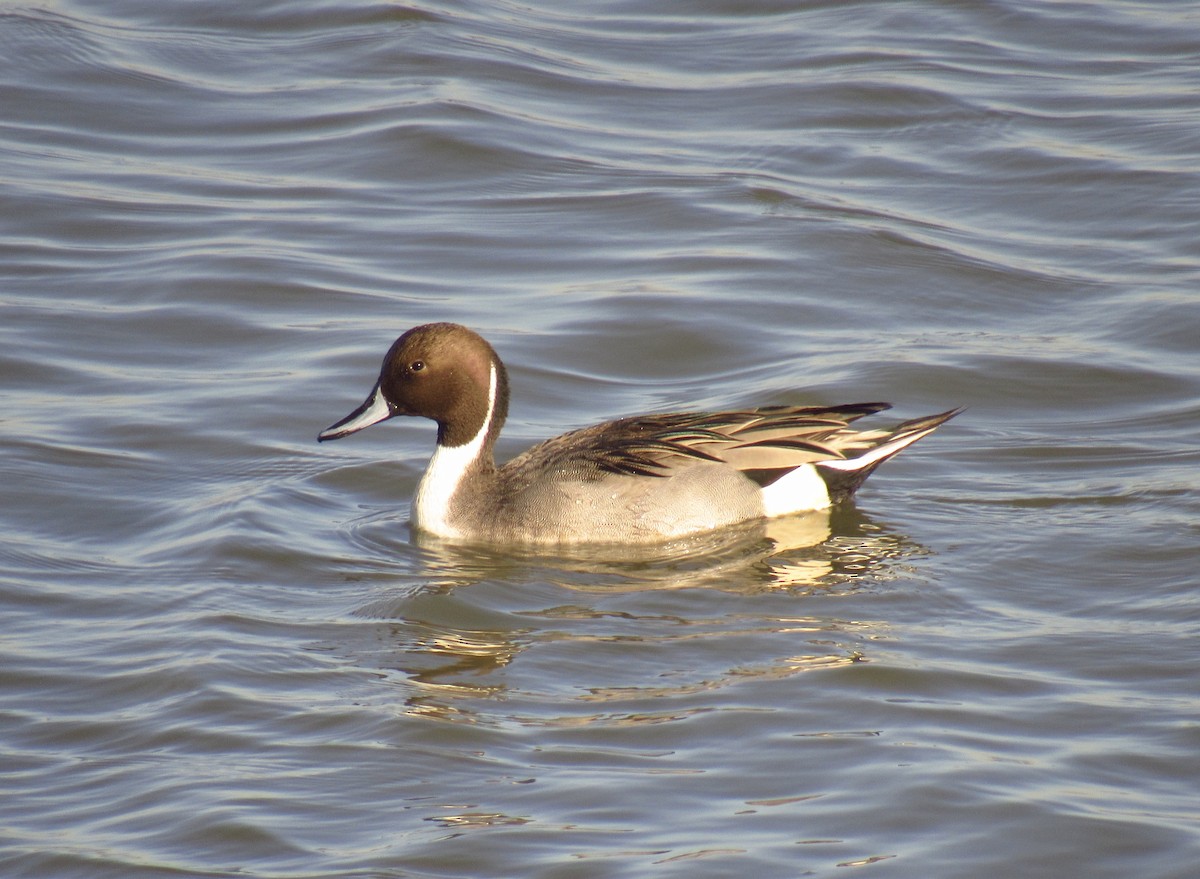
[(461, 658), (213, 213)]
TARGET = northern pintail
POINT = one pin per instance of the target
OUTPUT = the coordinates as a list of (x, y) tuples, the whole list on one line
[(641, 479)]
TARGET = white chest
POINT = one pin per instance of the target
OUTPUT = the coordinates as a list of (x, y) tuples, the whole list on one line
[(443, 477)]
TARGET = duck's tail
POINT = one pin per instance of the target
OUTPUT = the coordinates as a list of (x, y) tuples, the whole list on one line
[(843, 476)]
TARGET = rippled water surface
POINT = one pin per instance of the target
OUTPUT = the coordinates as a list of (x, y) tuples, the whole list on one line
[(223, 653)]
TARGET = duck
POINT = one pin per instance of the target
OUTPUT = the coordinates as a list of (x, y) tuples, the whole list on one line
[(641, 479)]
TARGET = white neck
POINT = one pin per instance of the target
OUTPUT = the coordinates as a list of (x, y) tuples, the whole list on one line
[(445, 473)]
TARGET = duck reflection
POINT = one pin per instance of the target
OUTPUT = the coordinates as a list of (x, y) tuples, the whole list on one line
[(593, 631)]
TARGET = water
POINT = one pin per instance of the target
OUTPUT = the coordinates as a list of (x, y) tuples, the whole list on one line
[(223, 654)]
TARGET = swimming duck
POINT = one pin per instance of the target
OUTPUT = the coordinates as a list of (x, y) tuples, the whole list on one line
[(636, 480)]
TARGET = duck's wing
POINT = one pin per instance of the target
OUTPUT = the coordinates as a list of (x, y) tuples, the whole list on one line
[(762, 442)]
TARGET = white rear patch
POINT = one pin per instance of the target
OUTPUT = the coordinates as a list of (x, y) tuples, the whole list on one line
[(802, 490), (447, 467)]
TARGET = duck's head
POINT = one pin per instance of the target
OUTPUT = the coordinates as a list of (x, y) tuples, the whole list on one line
[(441, 371)]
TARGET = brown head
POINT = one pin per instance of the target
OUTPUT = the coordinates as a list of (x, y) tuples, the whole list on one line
[(441, 371)]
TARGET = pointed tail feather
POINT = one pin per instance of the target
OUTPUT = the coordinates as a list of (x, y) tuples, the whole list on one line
[(844, 475)]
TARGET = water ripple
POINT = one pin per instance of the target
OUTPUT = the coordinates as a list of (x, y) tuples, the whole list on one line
[(225, 652)]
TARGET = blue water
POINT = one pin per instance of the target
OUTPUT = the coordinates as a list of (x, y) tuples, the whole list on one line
[(223, 652)]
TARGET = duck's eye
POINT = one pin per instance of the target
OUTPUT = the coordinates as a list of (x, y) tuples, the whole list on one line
[(416, 366)]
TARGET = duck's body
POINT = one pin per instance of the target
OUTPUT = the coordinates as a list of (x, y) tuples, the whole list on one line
[(635, 480)]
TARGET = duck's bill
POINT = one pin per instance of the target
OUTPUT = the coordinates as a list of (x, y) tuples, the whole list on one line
[(373, 411)]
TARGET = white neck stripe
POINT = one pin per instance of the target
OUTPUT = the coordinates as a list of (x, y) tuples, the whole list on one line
[(445, 473)]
